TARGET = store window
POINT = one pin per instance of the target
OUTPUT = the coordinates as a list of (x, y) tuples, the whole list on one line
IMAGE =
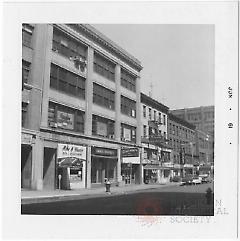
[(102, 127), (128, 81), (27, 31), (128, 107), (67, 46), (67, 82), (63, 117), (128, 133), (104, 67), (103, 96)]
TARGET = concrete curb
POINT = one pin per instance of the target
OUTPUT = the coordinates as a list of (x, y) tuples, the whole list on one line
[(79, 196)]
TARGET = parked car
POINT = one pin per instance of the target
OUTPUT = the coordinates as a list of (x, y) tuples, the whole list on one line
[(197, 180), (176, 179), (206, 178), (187, 180)]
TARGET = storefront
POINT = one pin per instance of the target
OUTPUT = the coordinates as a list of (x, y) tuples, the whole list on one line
[(71, 166), (130, 167), (103, 166), (27, 142)]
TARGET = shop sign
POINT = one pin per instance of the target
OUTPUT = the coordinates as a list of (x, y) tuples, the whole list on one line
[(26, 138), (188, 165), (130, 152), (73, 151), (132, 160), (65, 120), (127, 134), (101, 129), (99, 151)]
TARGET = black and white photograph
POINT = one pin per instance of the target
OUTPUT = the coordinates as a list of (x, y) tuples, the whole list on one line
[(123, 121)]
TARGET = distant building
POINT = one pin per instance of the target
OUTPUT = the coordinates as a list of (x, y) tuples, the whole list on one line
[(182, 139), (202, 117), (156, 152), (80, 107)]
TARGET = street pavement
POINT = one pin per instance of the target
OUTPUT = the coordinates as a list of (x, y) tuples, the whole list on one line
[(155, 200), (32, 196)]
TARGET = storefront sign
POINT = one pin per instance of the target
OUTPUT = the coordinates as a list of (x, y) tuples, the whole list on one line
[(26, 138), (101, 129), (132, 160), (99, 151), (65, 120), (66, 150), (130, 152)]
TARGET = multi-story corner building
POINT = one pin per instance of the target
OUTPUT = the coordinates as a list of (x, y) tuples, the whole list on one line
[(80, 107), (202, 117), (156, 158), (182, 139)]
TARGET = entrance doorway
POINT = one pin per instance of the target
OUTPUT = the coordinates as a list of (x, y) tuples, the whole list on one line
[(49, 166), (26, 166), (102, 169)]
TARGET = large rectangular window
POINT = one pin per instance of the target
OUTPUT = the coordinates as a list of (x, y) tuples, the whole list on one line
[(150, 113), (128, 107), (25, 71), (102, 127), (104, 67), (103, 96), (63, 117), (128, 81), (128, 133), (67, 82), (67, 46), (27, 31)]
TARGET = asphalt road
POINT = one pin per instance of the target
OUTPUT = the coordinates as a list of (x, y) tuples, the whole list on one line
[(174, 200)]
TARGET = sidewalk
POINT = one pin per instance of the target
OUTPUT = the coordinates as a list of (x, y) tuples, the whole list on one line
[(32, 196)]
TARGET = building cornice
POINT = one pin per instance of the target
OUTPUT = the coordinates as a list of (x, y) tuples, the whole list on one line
[(153, 103), (181, 121), (108, 44)]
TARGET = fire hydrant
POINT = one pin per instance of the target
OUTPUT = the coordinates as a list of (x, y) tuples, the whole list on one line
[(108, 185), (209, 195)]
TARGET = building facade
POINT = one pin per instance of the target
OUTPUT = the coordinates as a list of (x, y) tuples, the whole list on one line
[(156, 152), (203, 119), (80, 108), (183, 140)]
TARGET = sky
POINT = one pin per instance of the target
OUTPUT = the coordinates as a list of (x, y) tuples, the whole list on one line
[(178, 60)]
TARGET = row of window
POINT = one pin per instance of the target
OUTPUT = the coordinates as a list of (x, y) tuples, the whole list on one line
[(103, 96), (71, 119), (128, 107), (66, 46), (153, 131), (180, 131), (177, 145), (128, 81), (66, 81), (161, 117), (104, 67)]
